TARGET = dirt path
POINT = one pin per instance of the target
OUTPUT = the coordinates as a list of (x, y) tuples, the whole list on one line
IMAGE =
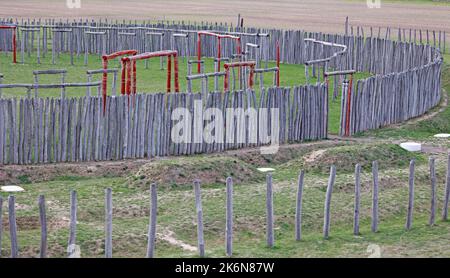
[(314, 15), (168, 236)]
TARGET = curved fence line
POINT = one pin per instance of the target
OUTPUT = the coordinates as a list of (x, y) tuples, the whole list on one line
[(406, 82), (382, 100)]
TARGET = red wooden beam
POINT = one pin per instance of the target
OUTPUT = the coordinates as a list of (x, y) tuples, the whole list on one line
[(219, 48), (105, 59), (250, 64), (129, 63), (14, 43)]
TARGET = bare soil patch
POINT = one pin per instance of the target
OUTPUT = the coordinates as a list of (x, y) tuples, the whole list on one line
[(346, 157), (16, 174), (183, 171), (314, 15)]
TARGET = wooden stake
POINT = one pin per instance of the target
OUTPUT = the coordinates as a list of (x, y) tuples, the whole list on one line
[(326, 222), (269, 206), (198, 206), (13, 227), (432, 219), (409, 218), (229, 218), (374, 225), (152, 226), (298, 210), (108, 222), (43, 222), (357, 199)]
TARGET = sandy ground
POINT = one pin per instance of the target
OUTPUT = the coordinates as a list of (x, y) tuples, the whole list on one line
[(314, 15)]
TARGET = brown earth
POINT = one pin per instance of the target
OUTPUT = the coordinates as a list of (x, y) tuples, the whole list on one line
[(314, 15), (16, 174), (207, 169), (174, 170)]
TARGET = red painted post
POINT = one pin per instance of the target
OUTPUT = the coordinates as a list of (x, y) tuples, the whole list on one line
[(238, 47), (169, 72), (199, 51), (252, 71), (122, 87), (239, 65), (14, 45), (114, 55), (128, 66), (104, 82), (175, 64), (219, 37), (134, 76), (225, 80)]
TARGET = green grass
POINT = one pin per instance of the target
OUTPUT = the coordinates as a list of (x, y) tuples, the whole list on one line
[(148, 80), (176, 206), (176, 214)]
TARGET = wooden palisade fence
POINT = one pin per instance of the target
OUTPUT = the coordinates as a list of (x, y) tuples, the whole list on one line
[(46, 130)]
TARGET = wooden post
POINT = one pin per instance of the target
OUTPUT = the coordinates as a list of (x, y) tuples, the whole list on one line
[(39, 46), (152, 225), (447, 192), (43, 222), (374, 226), (298, 208), (108, 222), (36, 82), (326, 222), (12, 226), (198, 206), (229, 218), (269, 206), (1, 222), (432, 219), (357, 199), (409, 217), (346, 26), (86, 49), (73, 223), (22, 47), (1, 81)]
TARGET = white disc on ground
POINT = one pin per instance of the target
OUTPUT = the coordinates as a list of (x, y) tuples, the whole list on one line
[(411, 146), (12, 188), (442, 135), (265, 170)]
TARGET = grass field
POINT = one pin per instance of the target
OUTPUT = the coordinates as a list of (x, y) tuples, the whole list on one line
[(176, 211), (176, 228)]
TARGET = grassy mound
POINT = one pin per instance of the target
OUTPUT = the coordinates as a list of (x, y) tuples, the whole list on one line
[(346, 157), (209, 170)]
